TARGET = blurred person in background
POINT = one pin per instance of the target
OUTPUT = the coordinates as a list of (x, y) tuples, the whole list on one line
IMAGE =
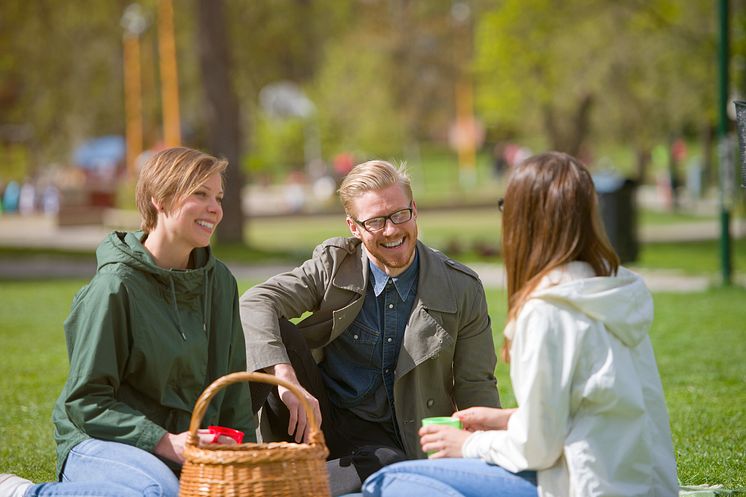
[(10, 196), (591, 417), (157, 323), (397, 332), (27, 200)]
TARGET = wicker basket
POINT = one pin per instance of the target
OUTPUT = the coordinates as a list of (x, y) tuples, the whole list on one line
[(278, 469)]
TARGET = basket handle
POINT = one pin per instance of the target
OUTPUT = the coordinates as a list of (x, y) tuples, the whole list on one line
[(315, 434)]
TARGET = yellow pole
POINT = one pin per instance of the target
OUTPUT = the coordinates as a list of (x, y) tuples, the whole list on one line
[(132, 101), (169, 74), (467, 157), (465, 109)]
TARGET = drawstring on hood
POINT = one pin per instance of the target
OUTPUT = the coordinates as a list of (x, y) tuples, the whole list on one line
[(205, 301), (176, 307)]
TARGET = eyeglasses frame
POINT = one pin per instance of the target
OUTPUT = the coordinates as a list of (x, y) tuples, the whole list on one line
[(386, 218)]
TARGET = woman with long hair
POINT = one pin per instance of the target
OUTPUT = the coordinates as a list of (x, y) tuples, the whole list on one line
[(591, 417)]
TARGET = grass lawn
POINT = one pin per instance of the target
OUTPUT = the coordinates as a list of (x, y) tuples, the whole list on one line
[(699, 338)]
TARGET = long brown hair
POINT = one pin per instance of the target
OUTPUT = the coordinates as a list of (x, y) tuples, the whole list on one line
[(550, 217)]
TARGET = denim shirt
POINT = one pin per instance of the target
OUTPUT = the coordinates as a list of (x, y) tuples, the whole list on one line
[(358, 369)]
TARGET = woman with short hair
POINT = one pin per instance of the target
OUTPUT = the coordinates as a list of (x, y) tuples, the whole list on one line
[(154, 327)]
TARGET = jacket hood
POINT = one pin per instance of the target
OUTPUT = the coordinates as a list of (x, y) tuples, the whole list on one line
[(622, 303), (188, 288), (127, 248)]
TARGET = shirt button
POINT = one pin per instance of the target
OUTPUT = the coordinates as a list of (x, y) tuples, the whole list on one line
[(354, 336), (430, 402), (389, 339), (386, 371), (391, 306)]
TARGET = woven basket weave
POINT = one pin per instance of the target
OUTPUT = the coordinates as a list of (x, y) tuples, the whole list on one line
[(278, 469)]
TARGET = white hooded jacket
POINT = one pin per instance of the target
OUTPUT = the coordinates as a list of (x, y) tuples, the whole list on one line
[(592, 419)]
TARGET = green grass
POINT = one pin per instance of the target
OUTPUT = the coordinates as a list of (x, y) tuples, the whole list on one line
[(699, 339), (656, 217), (701, 257)]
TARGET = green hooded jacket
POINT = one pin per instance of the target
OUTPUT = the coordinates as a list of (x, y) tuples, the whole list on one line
[(143, 343)]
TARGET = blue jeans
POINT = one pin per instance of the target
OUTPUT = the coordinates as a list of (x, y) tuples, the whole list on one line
[(95, 468), (449, 478)]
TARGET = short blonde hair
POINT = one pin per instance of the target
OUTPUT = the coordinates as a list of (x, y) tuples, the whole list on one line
[(168, 177), (373, 175)]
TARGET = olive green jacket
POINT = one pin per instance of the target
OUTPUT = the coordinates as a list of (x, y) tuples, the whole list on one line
[(143, 344), (447, 360)]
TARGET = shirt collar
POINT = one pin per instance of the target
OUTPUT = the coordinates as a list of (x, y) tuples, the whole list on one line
[(403, 282)]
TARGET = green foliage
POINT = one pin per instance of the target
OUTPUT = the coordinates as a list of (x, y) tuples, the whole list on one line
[(645, 68), (15, 161), (382, 77), (278, 146), (60, 74), (356, 110)]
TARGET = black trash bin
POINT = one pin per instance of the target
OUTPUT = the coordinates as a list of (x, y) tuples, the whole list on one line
[(616, 198)]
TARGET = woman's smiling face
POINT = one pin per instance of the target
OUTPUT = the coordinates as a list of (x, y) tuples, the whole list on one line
[(192, 223)]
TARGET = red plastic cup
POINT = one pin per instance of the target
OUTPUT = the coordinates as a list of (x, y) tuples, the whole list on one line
[(228, 432)]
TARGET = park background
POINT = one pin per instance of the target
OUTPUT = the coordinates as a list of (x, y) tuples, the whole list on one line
[(294, 92)]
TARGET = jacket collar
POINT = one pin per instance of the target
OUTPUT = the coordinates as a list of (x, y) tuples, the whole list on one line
[(434, 288)]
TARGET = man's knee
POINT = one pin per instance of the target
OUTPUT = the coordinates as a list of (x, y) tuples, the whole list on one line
[(370, 458)]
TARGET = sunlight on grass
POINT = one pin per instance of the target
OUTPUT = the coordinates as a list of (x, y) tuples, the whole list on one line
[(699, 341)]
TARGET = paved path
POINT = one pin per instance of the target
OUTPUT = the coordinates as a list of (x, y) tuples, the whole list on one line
[(43, 232)]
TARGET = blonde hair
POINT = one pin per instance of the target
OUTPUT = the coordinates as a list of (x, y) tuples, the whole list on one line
[(550, 217), (372, 175), (168, 177)]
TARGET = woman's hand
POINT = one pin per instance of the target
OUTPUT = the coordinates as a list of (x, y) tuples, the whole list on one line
[(442, 441), (484, 418), (171, 445)]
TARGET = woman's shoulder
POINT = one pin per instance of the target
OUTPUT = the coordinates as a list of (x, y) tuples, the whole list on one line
[(542, 317), (222, 273)]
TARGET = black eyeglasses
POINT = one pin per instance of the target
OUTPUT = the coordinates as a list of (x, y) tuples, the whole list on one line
[(500, 204), (378, 223)]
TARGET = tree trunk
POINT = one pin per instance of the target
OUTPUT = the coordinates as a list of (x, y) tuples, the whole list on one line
[(569, 137), (222, 112), (642, 164)]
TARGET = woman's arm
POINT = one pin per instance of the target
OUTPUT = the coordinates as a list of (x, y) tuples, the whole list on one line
[(98, 338), (543, 358)]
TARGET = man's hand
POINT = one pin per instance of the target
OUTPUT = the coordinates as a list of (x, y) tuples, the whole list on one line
[(442, 441), (298, 423), (484, 418)]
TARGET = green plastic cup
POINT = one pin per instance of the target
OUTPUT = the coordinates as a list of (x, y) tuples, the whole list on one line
[(442, 420)]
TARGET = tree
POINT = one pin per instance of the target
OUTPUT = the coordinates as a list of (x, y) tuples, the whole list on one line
[(60, 73), (221, 112), (578, 72)]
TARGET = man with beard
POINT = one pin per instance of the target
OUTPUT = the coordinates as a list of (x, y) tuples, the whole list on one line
[(397, 332)]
